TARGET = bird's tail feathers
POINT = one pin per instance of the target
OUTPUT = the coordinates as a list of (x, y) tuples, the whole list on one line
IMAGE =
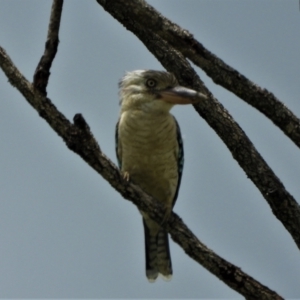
[(158, 259)]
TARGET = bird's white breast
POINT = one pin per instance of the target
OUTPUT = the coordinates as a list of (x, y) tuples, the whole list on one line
[(149, 152)]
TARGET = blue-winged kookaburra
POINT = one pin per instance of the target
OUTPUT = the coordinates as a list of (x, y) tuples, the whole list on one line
[(150, 151)]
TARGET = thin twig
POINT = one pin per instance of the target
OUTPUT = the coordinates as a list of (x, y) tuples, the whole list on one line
[(42, 72), (79, 139)]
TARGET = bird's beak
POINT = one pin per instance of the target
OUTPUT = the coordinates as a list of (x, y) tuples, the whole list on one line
[(181, 95)]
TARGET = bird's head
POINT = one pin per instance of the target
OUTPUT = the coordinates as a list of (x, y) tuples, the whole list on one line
[(154, 91)]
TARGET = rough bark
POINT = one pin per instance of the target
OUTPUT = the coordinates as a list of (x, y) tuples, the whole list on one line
[(159, 43), (171, 45), (137, 14), (79, 139)]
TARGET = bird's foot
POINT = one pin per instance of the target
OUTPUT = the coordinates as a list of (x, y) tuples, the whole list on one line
[(126, 176)]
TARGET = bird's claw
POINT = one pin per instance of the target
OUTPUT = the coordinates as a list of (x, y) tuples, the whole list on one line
[(126, 176)]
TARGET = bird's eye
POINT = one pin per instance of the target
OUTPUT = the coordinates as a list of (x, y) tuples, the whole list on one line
[(151, 83)]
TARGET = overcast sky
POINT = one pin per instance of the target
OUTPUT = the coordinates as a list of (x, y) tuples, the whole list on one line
[(64, 232)]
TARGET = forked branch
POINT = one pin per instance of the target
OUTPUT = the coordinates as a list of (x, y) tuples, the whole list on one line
[(130, 14), (136, 14), (79, 139), (42, 72)]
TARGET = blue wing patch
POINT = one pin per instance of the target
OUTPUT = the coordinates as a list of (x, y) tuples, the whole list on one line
[(117, 145), (180, 161)]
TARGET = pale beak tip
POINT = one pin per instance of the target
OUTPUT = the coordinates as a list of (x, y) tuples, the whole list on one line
[(201, 96), (182, 95)]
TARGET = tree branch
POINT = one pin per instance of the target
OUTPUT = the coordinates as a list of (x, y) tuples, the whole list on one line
[(79, 139), (42, 72), (283, 204), (140, 14)]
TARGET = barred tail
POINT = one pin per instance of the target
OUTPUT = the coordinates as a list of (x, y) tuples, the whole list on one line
[(158, 259)]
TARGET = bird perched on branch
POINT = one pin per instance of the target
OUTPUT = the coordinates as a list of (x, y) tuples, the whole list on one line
[(150, 151)]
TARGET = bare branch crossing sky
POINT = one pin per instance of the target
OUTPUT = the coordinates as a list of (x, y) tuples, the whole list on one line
[(65, 232)]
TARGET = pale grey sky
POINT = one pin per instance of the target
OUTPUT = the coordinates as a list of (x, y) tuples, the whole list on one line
[(64, 232)]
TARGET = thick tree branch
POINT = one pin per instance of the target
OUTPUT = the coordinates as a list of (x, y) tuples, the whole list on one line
[(79, 139), (283, 205), (139, 14), (39, 102), (42, 72)]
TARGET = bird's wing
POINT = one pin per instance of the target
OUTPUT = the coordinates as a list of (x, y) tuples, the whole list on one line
[(180, 160), (118, 146)]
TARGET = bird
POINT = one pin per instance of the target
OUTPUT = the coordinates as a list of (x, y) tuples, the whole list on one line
[(150, 151)]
